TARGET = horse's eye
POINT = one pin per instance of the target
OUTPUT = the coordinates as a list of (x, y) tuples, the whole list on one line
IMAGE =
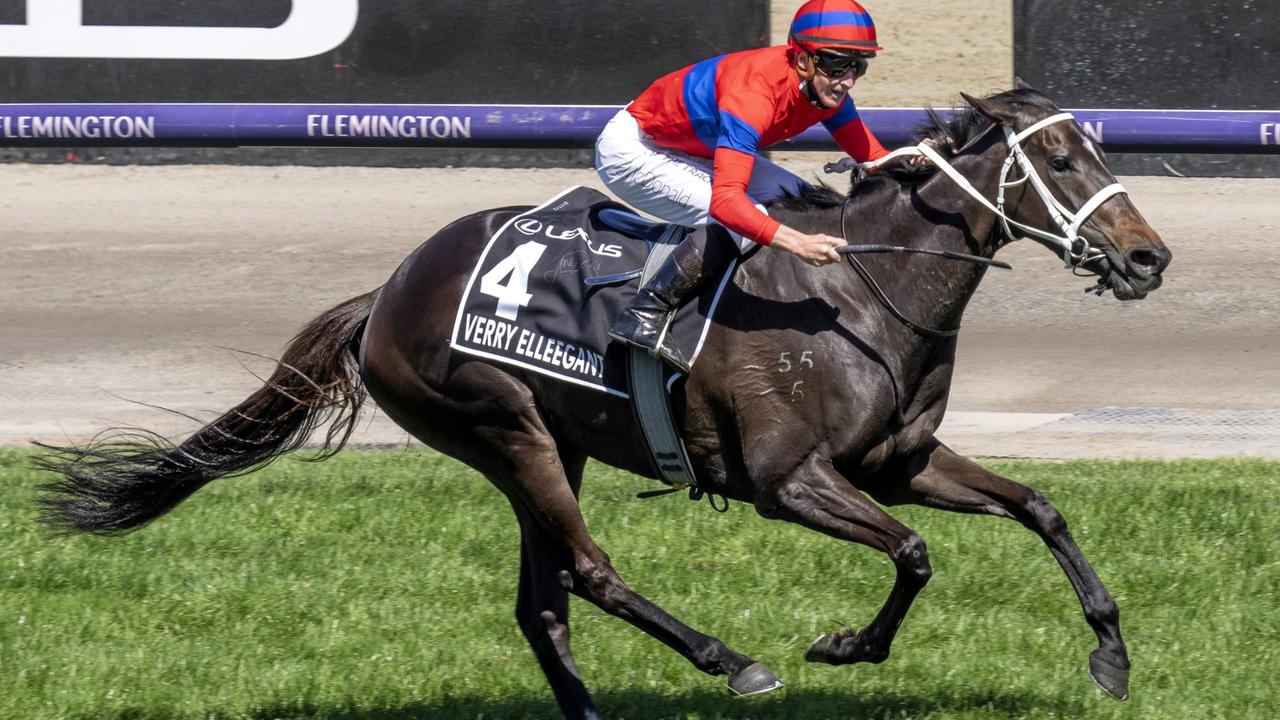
[(1060, 163)]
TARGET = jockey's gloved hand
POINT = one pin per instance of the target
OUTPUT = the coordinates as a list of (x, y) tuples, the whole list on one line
[(817, 250), (921, 160)]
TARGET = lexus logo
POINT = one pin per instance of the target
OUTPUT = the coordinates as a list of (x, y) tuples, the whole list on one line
[(529, 226)]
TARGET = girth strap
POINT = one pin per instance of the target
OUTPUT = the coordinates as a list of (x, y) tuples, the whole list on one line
[(652, 404)]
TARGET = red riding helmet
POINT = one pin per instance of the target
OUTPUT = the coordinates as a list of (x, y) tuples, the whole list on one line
[(833, 25)]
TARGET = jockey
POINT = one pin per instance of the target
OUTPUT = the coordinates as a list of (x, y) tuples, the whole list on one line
[(686, 151)]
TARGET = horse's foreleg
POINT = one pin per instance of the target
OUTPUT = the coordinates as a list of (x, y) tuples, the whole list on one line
[(816, 496), (939, 478)]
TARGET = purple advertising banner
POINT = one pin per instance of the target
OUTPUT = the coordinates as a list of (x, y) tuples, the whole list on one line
[(538, 126)]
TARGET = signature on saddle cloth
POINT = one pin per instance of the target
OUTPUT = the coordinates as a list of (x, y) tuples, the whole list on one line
[(56, 29)]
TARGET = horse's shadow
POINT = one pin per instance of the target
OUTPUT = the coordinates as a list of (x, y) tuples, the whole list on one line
[(641, 705)]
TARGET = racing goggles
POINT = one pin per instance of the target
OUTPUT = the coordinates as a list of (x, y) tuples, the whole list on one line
[(837, 66)]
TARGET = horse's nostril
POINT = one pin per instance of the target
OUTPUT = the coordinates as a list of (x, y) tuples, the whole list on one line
[(1149, 261), (1142, 258)]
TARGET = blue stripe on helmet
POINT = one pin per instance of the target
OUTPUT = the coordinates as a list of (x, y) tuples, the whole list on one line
[(827, 19), (736, 134), (700, 101), (847, 113)]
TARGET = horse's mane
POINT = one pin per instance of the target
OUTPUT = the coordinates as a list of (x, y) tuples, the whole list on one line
[(964, 125)]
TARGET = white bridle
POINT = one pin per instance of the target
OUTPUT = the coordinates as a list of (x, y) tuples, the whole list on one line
[(1076, 250)]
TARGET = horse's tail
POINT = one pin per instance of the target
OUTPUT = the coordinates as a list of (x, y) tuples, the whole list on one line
[(127, 478)]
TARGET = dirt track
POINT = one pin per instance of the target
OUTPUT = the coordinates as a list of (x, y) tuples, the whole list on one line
[(135, 281)]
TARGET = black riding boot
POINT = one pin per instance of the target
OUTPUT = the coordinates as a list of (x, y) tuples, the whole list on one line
[(644, 322)]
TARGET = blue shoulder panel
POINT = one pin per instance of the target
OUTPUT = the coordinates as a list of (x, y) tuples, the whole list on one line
[(845, 115), (737, 134), (700, 101)]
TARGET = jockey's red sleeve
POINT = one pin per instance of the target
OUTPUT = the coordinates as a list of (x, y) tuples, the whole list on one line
[(856, 139), (730, 205), (852, 135)]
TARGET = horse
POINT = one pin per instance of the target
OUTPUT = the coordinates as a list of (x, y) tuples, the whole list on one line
[(875, 353)]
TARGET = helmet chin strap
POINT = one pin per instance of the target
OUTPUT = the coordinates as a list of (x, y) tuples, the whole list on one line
[(811, 93), (806, 70)]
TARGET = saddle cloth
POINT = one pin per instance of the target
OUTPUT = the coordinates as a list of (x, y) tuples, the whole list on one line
[(528, 302)]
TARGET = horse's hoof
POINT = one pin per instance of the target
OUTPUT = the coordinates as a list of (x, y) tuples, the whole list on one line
[(825, 649), (1111, 677), (753, 679), (843, 647)]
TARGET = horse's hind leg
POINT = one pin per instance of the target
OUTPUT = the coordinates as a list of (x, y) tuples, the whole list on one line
[(939, 478), (537, 485), (542, 606), (816, 496)]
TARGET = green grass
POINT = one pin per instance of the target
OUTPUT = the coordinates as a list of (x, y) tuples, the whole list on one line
[(382, 585)]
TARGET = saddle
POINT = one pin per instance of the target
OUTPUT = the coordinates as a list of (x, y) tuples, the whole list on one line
[(551, 280), (546, 288)]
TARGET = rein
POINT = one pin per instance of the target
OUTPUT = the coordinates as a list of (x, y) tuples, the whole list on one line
[(849, 251)]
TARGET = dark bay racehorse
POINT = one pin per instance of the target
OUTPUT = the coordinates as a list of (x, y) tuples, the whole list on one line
[(828, 452)]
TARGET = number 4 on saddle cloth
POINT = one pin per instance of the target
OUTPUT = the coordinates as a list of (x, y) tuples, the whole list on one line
[(552, 279)]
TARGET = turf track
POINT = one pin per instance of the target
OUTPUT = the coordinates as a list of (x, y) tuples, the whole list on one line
[(381, 585)]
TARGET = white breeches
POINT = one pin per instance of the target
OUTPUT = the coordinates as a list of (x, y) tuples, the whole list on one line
[(672, 185)]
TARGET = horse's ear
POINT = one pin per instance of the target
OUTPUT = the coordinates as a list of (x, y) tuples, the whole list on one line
[(1020, 84), (1001, 112)]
